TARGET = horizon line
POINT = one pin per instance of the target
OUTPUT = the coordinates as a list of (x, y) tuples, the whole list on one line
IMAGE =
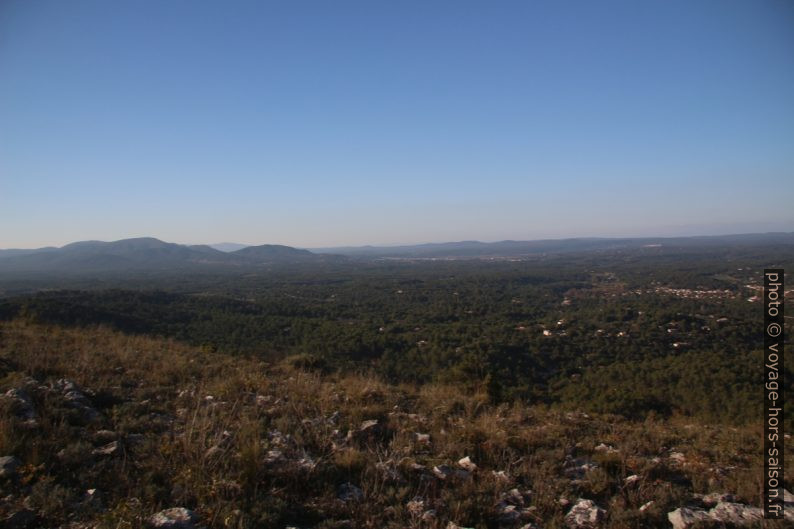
[(398, 245)]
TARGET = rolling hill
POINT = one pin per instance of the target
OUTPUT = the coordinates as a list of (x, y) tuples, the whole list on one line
[(145, 253)]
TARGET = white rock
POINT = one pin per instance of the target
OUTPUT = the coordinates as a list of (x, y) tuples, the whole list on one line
[(106, 450), (684, 517), (368, 425), (736, 513), (467, 464), (584, 515), (105, 436), (174, 518)]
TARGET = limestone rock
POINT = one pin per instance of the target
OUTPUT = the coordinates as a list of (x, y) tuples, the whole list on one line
[(22, 406), (106, 450), (736, 514), (467, 464), (76, 398), (174, 518), (631, 479), (607, 449), (368, 426), (684, 517), (585, 514), (422, 438)]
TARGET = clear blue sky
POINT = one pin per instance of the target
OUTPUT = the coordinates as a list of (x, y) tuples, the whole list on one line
[(335, 123)]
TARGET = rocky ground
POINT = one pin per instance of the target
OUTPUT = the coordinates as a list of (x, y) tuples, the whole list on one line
[(99, 429)]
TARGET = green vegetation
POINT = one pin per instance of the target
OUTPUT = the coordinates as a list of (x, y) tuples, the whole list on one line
[(625, 333), (250, 444), (349, 394)]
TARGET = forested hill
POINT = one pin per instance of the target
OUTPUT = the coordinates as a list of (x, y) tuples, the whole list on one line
[(144, 254), (472, 249)]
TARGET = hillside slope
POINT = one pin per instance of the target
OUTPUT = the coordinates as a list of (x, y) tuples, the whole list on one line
[(102, 429)]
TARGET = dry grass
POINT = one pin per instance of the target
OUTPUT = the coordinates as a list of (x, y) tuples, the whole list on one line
[(247, 444)]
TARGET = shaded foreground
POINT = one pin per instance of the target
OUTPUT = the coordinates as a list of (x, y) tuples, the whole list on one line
[(102, 429)]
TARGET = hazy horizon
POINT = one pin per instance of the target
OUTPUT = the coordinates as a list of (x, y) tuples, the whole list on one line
[(353, 123), (670, 234)]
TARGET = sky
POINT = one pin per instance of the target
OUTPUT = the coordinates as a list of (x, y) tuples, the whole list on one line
[(317, 124)]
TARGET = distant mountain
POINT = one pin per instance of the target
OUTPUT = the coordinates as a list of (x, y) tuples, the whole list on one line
[(149, 254), (14, 252), (272, 251), (143, 254), (127, 254), (475, 249), (228, 246)]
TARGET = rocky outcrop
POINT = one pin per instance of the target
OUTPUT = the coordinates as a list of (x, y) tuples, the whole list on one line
[(76, 399), (585, 514), (22, 406), (736, 514), (512, 508), (576, 469), (725, 511), (684, 517)]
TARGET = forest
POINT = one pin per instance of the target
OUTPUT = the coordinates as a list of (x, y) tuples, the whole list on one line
[(631, 333)]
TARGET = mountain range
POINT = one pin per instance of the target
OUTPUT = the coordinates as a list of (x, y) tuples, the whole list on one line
[(147, 253), (508, 248)]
